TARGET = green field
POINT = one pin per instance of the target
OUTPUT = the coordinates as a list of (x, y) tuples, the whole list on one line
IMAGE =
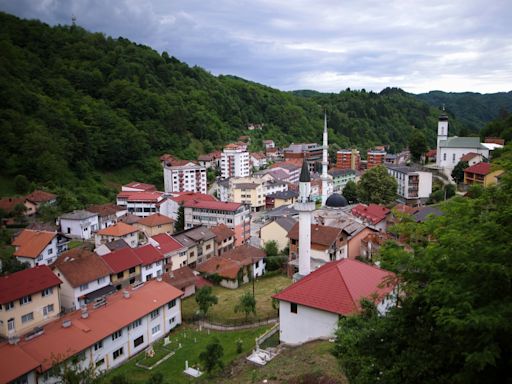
[(223, 312), (193, 342)]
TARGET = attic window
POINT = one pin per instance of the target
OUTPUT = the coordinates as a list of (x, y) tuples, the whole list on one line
[(293, 307)]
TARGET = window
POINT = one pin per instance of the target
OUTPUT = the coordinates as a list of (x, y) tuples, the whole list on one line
[(117, 334), (9, 306), (47, 292), (100, 362), (293, 307), (50, 251), (453, 158), (100, 280), (117, 353), (10, 325), (132, 270), (444, 156), (48, 309), (132, 280), (28, 317), (120, 275), (155, 313), (98, 345), (171, 304), (172, 320), (155, 329), (84, 287), (25, 300), (138, 341)]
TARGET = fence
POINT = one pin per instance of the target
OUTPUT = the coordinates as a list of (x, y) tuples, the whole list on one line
[(253, 321)]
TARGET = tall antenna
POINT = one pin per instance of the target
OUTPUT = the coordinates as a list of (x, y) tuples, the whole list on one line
[(73, 20)]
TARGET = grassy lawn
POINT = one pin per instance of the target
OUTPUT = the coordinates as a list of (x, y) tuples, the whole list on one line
[(75, 243), (172, 368), (223, 312), (309, 363)]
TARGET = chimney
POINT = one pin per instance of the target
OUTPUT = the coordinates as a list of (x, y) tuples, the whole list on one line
[(66, 324), (85, 313), (126, 294)]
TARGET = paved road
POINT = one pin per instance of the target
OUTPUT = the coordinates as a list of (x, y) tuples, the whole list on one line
[(256, 224)]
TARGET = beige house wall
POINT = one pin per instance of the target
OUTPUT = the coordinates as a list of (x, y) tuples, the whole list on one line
[(275, 232)]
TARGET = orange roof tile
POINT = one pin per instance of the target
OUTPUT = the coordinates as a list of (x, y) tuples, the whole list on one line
[(230, 262), (320, 234), (105, 209), (39, 196), (156, 219), (8, 203), (31, 243), (15, 362), (101, 323), (117, 230), (222, 232)]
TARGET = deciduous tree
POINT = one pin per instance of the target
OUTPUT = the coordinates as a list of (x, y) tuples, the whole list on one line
[(377, 186)]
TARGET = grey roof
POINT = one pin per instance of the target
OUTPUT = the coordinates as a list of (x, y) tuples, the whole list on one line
[(423, 213), (78, 215), (304, 173), (341, 172), (247, 185), (286, 222), (278, 173), (117, 244), (284, 194), (462, 142), (224, 183), (283, 210), (405, 168), (190, 236)]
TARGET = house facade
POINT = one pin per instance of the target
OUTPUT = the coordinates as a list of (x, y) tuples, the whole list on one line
[(340, 178), (235, 161), (79, 224), (184, 176), (414, 184), (155, 224), (125, 267), (39, 247), (277, 230), (348, 159), (199, 243), (28, 299), (119, 231)]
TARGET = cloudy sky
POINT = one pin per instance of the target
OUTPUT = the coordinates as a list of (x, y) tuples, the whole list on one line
[(326, 45)]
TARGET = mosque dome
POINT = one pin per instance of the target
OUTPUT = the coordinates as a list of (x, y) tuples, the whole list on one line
[(336, 201)]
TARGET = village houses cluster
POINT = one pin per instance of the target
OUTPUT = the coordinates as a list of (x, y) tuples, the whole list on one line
[(121, 288)]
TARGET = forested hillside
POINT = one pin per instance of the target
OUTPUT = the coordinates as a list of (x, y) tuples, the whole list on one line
[(73, 103), (472, 110)]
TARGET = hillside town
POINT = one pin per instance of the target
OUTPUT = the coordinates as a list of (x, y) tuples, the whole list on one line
[(110, 279)]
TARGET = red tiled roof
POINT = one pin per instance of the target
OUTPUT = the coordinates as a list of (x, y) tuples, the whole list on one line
[(230, 262), (104, 209), (405, 209), (320, 234), (26, 282), (117, 230), (80, 266), (166, 243), (101, 323), (121, 259), (152, 196), (8, 203), (39, 196), (31, 243), (181, 277), (15, 362), (469, 156), (432, 153), (202, 282), (373, 212), (258, 155), (141, 186), (156, 219), (148, 254), (217, 205), (186, 196), (479, 169), (338, 287), (180, 163), (222, 232)]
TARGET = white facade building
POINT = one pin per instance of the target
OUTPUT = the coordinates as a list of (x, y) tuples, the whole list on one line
[(414, 184), (235, 161), (79, 224), (184, 176)]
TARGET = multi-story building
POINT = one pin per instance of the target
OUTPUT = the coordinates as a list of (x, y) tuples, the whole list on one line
[(248, 193), (152, 262), (414, 184), (482, 174), (155, 224), (184, 176), (102, 335), (375, 157), (235, 161), (340, 178), (125, 267), (311, 152), (85, 277), (28, 299), (175, 254), (108, 214), (143, 204), (79, 224), (39, 247), (199, 244), (224, 238), (236, 216), (348, 159)]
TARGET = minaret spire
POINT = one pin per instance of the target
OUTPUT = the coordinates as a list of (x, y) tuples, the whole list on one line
[(325, 161)]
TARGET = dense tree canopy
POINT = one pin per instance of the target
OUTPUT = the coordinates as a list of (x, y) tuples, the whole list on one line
[(377, 186), (453, 322)]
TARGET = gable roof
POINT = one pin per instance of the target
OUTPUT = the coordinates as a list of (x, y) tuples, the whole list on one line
[(80, 214), (148, 254), (186, 196), (8, 203), (462, 142), (194, 234), (180, 278), (30, 243), (15, 363), (286, 223), (39, 196), (26, 282), (222, 232), (116, 244), (147, 196), (117, 230), (80, 266), (338, 287), (469, 156), (121, 259), (320, 234), (375, 213), (284, 195), (155, 220), (104, 210), (129, 218), (479, 169), (140, 186), (166, 243)]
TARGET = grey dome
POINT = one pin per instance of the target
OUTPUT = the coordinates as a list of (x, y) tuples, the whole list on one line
[(336, 201)]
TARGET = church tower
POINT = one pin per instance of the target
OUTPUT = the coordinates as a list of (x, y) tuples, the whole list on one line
[(305, 206), (442, 135), (325, 163)]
